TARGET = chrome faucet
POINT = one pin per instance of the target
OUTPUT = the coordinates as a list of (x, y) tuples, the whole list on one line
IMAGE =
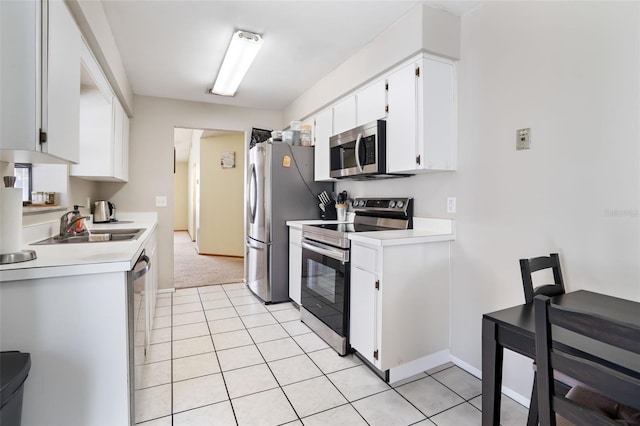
[(67, 225)]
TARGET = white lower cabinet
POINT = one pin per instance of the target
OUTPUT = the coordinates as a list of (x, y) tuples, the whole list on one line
[(76, 330), (399, 302), (295, 265)]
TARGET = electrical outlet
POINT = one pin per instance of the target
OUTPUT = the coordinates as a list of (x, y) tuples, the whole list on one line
[(161, 201), (523, 139), (451, 205)]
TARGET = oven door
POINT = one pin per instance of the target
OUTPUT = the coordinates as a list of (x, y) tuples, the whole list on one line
[(325, 284)]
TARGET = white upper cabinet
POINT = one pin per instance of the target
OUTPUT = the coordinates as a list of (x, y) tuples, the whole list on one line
[(401, 120), (421, 121), (371, 103), (40, 82), (63, 84), (120, 142), (418, 100), (322, 131), (104, 127), (344, 115)]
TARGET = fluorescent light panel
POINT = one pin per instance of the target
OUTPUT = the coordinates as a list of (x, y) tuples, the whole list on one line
[(240, 54)]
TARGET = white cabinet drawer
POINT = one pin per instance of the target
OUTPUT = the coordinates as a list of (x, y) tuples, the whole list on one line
[(363, 257)]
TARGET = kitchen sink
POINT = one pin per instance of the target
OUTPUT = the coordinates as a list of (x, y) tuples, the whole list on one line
[(96, 236)]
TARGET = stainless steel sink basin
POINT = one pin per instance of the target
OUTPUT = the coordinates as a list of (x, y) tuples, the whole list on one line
[(97, 236)]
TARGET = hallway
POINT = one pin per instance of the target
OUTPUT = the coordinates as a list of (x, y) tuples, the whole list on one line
[(194, 270)]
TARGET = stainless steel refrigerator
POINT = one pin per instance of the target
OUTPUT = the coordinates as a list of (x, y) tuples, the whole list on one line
[(280, 187)]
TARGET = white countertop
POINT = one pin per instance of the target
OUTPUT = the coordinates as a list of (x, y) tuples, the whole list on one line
[(56, 260), (425, 230)]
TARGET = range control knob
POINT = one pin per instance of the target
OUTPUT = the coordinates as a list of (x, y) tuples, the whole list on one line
[(392, 203), (400, 204)]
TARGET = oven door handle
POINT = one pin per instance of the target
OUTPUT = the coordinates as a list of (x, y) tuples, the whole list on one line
[(334, 253), (358, 139)]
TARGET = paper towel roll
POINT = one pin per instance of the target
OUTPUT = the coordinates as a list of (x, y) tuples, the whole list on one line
[(10, 220)]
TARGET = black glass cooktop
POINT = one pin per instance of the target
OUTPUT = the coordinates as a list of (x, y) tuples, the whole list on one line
[(350, 227)]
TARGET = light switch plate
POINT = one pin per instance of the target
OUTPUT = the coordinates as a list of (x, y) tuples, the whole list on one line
[(161, 201), (523, 139)]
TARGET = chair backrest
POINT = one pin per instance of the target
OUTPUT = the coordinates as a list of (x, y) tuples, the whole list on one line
[(596, 375), (528, 266)]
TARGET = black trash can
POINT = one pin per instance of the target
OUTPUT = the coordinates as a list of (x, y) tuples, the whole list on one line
[(14, 369)]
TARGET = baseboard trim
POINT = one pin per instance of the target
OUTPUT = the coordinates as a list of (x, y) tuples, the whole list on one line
[(522, 400), (166, 290)]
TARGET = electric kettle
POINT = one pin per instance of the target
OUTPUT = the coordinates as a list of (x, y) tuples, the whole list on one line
[(104, 211)]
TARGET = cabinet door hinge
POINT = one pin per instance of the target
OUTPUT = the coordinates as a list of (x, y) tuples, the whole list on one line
[(386, 86), (375, 354), (386, 108), (43, 137), (377, 284), (418, 160), (418, 72)]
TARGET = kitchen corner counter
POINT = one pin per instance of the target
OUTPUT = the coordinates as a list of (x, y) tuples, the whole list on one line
[(57, 260)]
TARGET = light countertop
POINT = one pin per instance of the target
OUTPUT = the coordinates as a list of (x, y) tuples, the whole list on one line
[(56, 260), (425, 230)]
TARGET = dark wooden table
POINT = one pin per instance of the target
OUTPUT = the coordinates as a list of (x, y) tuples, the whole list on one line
[(514, 329)]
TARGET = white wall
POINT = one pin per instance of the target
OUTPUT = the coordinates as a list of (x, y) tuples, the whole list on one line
[(570, 71), (181, 191), (151, 158)]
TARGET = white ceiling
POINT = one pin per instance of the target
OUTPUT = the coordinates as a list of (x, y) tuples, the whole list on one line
[(173, 48)]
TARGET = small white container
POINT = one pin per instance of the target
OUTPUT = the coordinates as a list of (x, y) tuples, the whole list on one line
[(341, 209), (287, 136), (295, 125)]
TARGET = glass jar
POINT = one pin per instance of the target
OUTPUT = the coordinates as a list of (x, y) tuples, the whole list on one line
[(49, 197)]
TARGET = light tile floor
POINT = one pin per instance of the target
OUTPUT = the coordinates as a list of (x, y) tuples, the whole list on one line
[(220, 357)]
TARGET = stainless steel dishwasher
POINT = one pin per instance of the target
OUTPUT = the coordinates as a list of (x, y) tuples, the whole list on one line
[(138, 324)]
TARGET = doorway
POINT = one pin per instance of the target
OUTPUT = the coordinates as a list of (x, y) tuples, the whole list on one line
[(209, 207)]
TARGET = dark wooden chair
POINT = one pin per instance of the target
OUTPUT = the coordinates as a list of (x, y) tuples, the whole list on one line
[(527, 268), (606, 395)]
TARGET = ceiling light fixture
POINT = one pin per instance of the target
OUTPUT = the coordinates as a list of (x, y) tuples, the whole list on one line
[(240, 54)]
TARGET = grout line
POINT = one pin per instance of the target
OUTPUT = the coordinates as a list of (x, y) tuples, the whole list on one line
[(233, 410), (171, 345)]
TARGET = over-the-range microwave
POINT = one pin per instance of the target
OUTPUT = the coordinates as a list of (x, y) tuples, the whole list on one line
[(360, 153)]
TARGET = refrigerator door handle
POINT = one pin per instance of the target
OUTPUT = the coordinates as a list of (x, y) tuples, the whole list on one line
[(250, 245), (252, 190)]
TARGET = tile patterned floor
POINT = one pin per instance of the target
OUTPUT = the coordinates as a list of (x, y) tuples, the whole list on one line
[(220, 357)]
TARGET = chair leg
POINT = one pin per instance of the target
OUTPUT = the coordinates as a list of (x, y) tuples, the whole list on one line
[(532, 419)]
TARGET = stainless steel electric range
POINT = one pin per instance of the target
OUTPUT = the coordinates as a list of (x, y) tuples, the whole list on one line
[(326, 267)]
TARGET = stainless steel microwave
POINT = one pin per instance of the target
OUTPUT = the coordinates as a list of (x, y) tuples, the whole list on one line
[(359, 152)]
